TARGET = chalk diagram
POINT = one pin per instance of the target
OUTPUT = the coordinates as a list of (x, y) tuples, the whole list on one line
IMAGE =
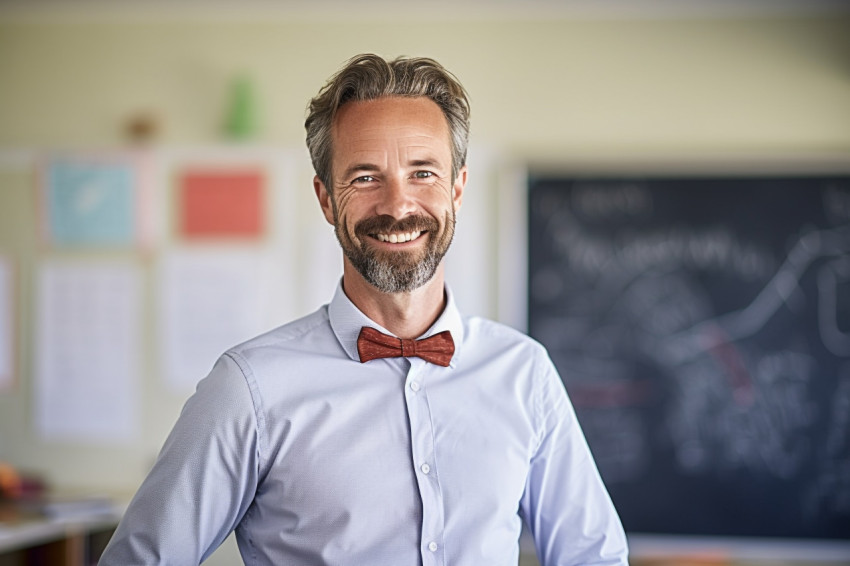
[(715, 340)]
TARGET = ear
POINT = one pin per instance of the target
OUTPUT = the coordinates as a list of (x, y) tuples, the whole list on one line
[(324, 199), (459, 186)]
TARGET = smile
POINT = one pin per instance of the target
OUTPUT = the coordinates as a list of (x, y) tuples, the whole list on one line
[(398, 238)]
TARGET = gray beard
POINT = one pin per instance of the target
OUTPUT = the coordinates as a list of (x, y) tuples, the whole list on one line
[(390, 277), (398, 272)]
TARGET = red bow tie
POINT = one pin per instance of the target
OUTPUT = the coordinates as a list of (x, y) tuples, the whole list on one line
[(437, 349)]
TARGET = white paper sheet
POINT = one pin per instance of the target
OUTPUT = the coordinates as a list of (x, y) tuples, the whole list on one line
[(87, 351), (209, 301), (7, 321)]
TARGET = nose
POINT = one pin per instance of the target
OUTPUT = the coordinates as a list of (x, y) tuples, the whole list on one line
[(396, 198)]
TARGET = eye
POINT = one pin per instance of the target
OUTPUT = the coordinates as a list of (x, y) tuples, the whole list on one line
[(364, 179), (423, 174)]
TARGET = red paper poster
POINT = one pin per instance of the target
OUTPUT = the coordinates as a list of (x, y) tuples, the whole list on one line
[(222, 203)]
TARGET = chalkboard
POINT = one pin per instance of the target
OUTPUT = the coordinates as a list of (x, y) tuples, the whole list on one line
[(702, 329)]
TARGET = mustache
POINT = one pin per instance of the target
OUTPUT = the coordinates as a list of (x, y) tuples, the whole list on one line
[(384, 224)]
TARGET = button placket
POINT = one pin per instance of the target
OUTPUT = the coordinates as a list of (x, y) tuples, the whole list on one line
[(422, 454)]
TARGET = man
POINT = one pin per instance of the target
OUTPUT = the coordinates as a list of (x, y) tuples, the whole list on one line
[(316, 447)]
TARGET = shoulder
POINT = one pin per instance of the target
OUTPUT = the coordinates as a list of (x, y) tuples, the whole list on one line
[(285, 351), (514, 353), (253, 365), (497, 337), (293, 335)]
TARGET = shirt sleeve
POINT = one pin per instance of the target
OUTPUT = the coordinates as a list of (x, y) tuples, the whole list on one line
[(565, 504), (202, 483)]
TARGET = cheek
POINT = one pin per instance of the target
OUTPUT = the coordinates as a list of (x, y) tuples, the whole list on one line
[(341, 207), (447, 192), (346, 216), (442, 206), (448, 228)]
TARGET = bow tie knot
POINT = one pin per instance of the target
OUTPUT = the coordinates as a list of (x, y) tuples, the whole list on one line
[(437, 349)]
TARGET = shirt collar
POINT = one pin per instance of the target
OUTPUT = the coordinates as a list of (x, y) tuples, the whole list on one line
[(346, 321)]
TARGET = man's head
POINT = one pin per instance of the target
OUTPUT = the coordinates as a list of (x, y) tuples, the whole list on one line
[(370, 77), (388, 142)]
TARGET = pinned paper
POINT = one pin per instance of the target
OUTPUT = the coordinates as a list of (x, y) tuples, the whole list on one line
[(209, 301), (88, 351), (91, 201), (218, 203)]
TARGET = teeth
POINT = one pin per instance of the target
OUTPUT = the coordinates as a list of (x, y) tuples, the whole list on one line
[(398, 238)]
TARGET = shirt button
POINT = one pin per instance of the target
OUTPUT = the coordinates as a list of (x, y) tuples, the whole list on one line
[(414, 385), (425, 470), (432, 546)]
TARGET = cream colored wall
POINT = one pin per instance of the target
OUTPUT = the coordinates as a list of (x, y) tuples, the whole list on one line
[(538, 88), (552, 93)]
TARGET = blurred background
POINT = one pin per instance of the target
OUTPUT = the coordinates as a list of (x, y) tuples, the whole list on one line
[(156, 203)]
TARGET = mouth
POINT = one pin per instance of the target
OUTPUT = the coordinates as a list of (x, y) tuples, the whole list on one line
[(397, 237), (388, 233)]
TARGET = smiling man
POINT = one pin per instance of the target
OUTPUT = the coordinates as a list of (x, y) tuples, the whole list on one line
[(385, 428), (392, 198)]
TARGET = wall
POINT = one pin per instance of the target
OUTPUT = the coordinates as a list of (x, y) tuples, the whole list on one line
[(548, 93), (539, 88)]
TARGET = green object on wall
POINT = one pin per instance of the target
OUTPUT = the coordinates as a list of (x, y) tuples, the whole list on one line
[(241, 120)]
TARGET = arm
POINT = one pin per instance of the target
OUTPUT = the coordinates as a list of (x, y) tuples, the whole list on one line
[(565, 504), (202, 483)]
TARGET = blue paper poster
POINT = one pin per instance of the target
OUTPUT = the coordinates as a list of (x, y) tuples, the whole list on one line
[(91, 202)]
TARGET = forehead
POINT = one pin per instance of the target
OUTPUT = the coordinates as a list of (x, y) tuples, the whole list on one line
[(361, 124)]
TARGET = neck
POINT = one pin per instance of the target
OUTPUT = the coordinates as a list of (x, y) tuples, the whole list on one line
[(407, 315)]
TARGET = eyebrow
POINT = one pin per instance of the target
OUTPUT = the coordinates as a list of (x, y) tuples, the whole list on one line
[(372, 168), (360, 168), (424, 163)]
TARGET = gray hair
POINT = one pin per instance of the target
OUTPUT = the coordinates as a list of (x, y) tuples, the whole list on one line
[(370, 77)]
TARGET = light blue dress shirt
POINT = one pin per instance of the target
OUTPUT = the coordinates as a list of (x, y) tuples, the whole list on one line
[(316, 459)]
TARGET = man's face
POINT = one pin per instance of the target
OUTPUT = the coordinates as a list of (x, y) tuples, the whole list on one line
[(393, 202)]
